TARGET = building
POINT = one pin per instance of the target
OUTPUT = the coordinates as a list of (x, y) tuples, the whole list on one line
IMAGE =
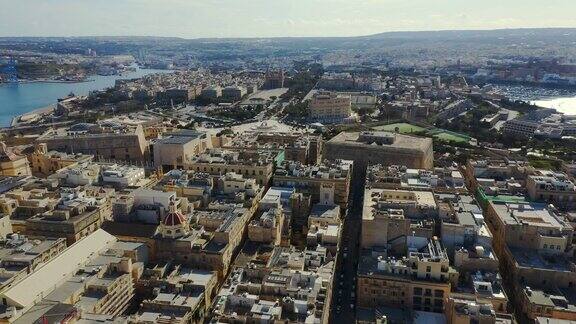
[(174, 150), (277, 286), (553, 188), (94, 276), (122, 176), (45, 163), (21, 255), (12, 164), (554, 305), (82, 174), (544, 123), (301, 147), (420, 281), (324, 227), (211, 93), (274, 79), (530, 226), (337, 82), (330, 107), (106, 141), (327, 183), (178, 95), (367, 148), (465, 234), (257, 165), (401, 177), (390, 216), (535, 245), (233, 93), (178, 295), (498, 176), (79, 212), (207, 239), (267, 227), (464, 311), (195, 186)]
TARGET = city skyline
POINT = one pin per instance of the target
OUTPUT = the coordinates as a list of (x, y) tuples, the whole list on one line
[(261, 18)]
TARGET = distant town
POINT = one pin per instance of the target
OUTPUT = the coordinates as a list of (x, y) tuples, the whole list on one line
[(352, 180)]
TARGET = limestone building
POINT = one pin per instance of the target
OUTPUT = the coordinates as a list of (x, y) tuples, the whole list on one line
[(12, 164), (367, 148), (45, 163), (111, 142), (330, 107)]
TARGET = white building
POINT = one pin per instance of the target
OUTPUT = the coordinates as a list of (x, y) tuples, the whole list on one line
[(122, 176)]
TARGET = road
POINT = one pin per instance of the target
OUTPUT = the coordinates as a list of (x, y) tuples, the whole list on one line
[(344, 291)]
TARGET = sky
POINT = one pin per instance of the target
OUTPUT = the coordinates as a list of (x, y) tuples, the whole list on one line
[(272, 18)]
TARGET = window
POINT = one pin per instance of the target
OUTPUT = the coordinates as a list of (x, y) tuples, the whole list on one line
[(418, 291), (438, 293)]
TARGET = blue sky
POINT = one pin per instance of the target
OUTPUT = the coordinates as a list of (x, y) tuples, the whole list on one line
[(267, 18)]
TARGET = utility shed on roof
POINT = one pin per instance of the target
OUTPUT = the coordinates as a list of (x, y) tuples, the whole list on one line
[(44, 280)]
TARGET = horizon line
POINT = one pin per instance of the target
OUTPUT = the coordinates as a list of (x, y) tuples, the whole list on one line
[(284, 37)]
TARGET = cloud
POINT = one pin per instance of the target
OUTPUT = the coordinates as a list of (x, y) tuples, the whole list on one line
[(250, 18)]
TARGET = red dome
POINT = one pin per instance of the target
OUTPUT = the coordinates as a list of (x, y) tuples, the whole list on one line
[(174, 219)]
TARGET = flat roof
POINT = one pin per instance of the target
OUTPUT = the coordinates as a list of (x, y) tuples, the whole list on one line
[(533, 214), (527, 258), (43, 281), (401, 142)]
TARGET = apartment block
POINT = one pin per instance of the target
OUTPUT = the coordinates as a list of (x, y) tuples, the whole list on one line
[(258, 165), (401, 177), (553, 188), (419, 281), (327, 183), (330, 107)]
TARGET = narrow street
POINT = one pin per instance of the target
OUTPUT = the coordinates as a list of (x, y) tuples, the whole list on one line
[(344, 290)]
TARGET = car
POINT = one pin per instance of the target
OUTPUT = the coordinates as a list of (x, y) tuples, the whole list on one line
[(351, 306)]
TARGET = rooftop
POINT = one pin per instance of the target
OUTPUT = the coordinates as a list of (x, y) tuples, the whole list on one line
[(383, 139)]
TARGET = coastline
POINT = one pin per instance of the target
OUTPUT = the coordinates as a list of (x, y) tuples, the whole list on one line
[(50, 81), (35, 97), (565, 105), (36, 112)]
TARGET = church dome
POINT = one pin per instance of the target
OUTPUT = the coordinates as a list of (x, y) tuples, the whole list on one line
[(174, 219)]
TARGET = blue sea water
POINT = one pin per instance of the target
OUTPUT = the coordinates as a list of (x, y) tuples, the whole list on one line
[(17, 99)]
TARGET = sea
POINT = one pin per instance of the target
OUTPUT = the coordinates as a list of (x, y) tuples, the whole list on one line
[(566, 105), (21, 98), (563, 100)]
